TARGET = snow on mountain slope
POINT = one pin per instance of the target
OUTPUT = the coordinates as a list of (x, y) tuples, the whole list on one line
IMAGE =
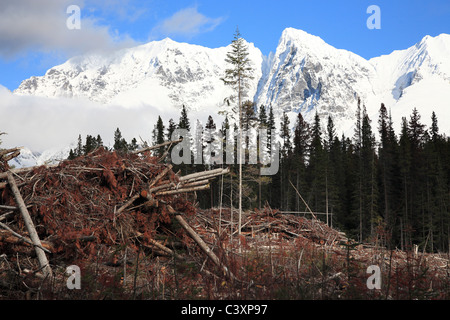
[(309, 75), (28, 158), (402, 69), (160, 74), (304, 74)]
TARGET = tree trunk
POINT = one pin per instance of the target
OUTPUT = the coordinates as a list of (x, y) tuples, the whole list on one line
[(240, 162)]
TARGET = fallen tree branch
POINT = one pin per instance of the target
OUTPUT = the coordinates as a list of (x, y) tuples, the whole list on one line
[(11, 156), (160, 176), (3, 185), (129, 203), (8, 207), (6, 151), (164, 248), (12, 237), (30, 226), (4, 175), (20, 237), (201, 243)]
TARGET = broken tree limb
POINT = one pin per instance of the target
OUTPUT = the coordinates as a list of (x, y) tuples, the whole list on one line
[(156, 147), (12, 237), (300, 196), (6, 151), (129, 203), (30, 226), (3, 185), (11, 156), (201, 243), (148, 194), (164, 248), (8, 213), (160, 176), (20, 237), (4, 175), (8, 207), (5, 215)]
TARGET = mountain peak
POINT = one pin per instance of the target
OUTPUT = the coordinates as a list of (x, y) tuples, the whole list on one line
[(438, 43), (305, 74), (292, 34)]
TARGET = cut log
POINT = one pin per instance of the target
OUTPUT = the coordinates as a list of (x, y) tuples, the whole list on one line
[(30, 227), (147, 194), (195, 184), (183, 190), (163, 187), (173, 186), (205, 174)]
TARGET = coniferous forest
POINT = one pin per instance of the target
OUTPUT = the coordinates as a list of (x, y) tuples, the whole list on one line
[(376, 185)]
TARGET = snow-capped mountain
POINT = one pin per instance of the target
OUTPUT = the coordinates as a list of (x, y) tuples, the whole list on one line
[(28, 158), (304, 74), (308, 75), (160, 74)]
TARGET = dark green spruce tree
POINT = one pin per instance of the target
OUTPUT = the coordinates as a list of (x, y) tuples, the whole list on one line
[(158, 137)]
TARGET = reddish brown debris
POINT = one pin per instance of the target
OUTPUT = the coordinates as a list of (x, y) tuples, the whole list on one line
[(80, 198)]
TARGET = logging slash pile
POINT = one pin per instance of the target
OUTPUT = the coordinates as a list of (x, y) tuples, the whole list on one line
[(91, 207), (133, 227)]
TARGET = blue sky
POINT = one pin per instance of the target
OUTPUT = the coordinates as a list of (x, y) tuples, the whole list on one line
[(34, 36)]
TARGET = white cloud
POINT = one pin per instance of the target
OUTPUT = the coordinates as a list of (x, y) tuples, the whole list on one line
[(45, 123), (41, 25), (42, 124), (187, 22)]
